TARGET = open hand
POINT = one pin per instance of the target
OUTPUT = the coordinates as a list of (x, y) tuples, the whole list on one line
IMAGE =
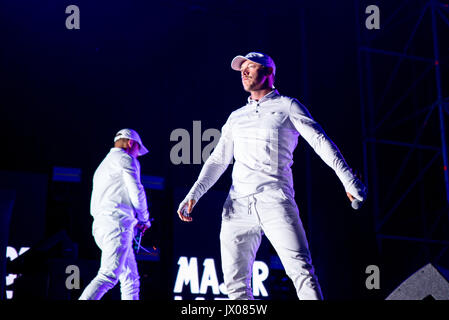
[(186, 207)]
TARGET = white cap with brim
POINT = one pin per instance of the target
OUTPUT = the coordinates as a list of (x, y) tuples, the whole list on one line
[(133, 135), (256, 57)]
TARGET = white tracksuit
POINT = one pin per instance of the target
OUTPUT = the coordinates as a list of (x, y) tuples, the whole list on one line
[(261, 137), (118, 203)]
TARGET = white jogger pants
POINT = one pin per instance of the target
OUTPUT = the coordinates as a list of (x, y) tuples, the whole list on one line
[(277, 216), (118, 263)]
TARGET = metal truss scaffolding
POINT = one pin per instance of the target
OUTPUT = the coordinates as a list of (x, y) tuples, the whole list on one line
[(403, 75)]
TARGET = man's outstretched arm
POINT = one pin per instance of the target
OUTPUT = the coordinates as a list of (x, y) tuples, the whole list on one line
[(312, 132), (211, 171)]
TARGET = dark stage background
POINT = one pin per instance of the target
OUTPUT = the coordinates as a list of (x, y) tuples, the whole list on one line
[(156, 66)]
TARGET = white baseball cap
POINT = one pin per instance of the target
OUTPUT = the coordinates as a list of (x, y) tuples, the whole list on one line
[(257, 57), (133, 135)]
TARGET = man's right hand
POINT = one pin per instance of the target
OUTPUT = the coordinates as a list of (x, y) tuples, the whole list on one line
[(357, 191), (186, 206), (143, 226)]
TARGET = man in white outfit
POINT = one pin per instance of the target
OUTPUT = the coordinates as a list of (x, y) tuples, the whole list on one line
[(118, 205), (261, 136)]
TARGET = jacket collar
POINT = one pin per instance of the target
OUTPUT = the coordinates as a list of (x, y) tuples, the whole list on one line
[(272, 94)]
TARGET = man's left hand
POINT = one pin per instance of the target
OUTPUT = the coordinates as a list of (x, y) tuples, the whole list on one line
[(359, 189), (351, 198)]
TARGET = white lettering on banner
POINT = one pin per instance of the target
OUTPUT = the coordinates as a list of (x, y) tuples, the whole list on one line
[(11, 253), (209, 278), (260, 274), (188, 276)]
